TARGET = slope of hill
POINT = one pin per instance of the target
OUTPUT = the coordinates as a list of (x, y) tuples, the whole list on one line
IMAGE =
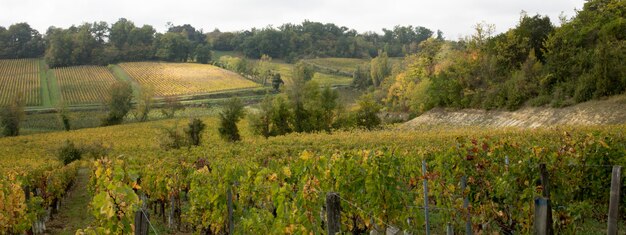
[(597, 112)]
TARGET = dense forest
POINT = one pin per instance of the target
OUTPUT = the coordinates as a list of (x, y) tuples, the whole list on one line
[(536, 63), (314, 39)]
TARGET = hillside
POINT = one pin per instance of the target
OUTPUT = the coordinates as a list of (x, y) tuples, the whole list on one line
[(597, 112)]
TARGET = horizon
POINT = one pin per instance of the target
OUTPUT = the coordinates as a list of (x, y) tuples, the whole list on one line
[(455, 22)]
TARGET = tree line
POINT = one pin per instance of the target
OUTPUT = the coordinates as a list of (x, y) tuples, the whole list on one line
[(315, 39), (100, 43)]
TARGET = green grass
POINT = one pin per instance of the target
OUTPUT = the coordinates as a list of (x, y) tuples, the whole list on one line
[(218, 54), (345, 65), (324, 79), (53, 88), (331, 80), (45, 86), (121, 75), (74, 212)]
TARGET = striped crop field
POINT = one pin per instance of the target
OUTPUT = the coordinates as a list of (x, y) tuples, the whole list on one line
[(175, 79), (346, 65), (83, 84), (20, 78)]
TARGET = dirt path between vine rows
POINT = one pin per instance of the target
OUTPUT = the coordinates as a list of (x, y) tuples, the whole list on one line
[(74, 212)]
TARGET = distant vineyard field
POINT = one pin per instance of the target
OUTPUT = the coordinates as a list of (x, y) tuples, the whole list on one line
[(174, 79), (83, 84), (20, 78), (346, 65), (323, 79)]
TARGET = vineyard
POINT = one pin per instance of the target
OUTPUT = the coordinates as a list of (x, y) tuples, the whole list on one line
[(279, 185), (338, 65), (323, 79), (83, 84), (20, 78), (173, 79)]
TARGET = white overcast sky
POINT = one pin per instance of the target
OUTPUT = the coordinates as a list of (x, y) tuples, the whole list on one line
[(454, 17)]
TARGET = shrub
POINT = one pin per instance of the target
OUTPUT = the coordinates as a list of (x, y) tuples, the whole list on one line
[(64, 117), (69, 152), (172, 138)]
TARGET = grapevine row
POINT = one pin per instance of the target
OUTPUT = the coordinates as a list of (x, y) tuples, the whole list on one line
[(170, 79), (84, 84), (20, 78), (381, 187)]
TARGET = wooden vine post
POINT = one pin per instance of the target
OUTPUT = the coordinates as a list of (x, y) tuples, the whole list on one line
[(333, 213), (543, 209), (616, 184)]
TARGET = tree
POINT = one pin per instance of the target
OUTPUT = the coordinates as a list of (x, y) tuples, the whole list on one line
[(20, 41), (281, 116), (118, 101), (64, 116), (265, 68), (379, 69), (261, 120), (303, 71), (144, 104), (367, 114), (329, 103), (296, 97), (203, 54), (361, 77), (229, 116), (173, 47), (276, 82), (171, 106), (11, 116), (194, 131)]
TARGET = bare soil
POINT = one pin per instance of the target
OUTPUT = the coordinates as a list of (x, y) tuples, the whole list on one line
[(597, 112)]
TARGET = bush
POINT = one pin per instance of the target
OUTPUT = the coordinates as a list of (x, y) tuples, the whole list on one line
[(172, 138), (69, 153), (64, 117), (95, 150)]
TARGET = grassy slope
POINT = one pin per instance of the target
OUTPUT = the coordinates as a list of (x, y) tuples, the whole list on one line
[(54, 89), (121, 75), (285, 70), (46, 100), (346, 65)]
